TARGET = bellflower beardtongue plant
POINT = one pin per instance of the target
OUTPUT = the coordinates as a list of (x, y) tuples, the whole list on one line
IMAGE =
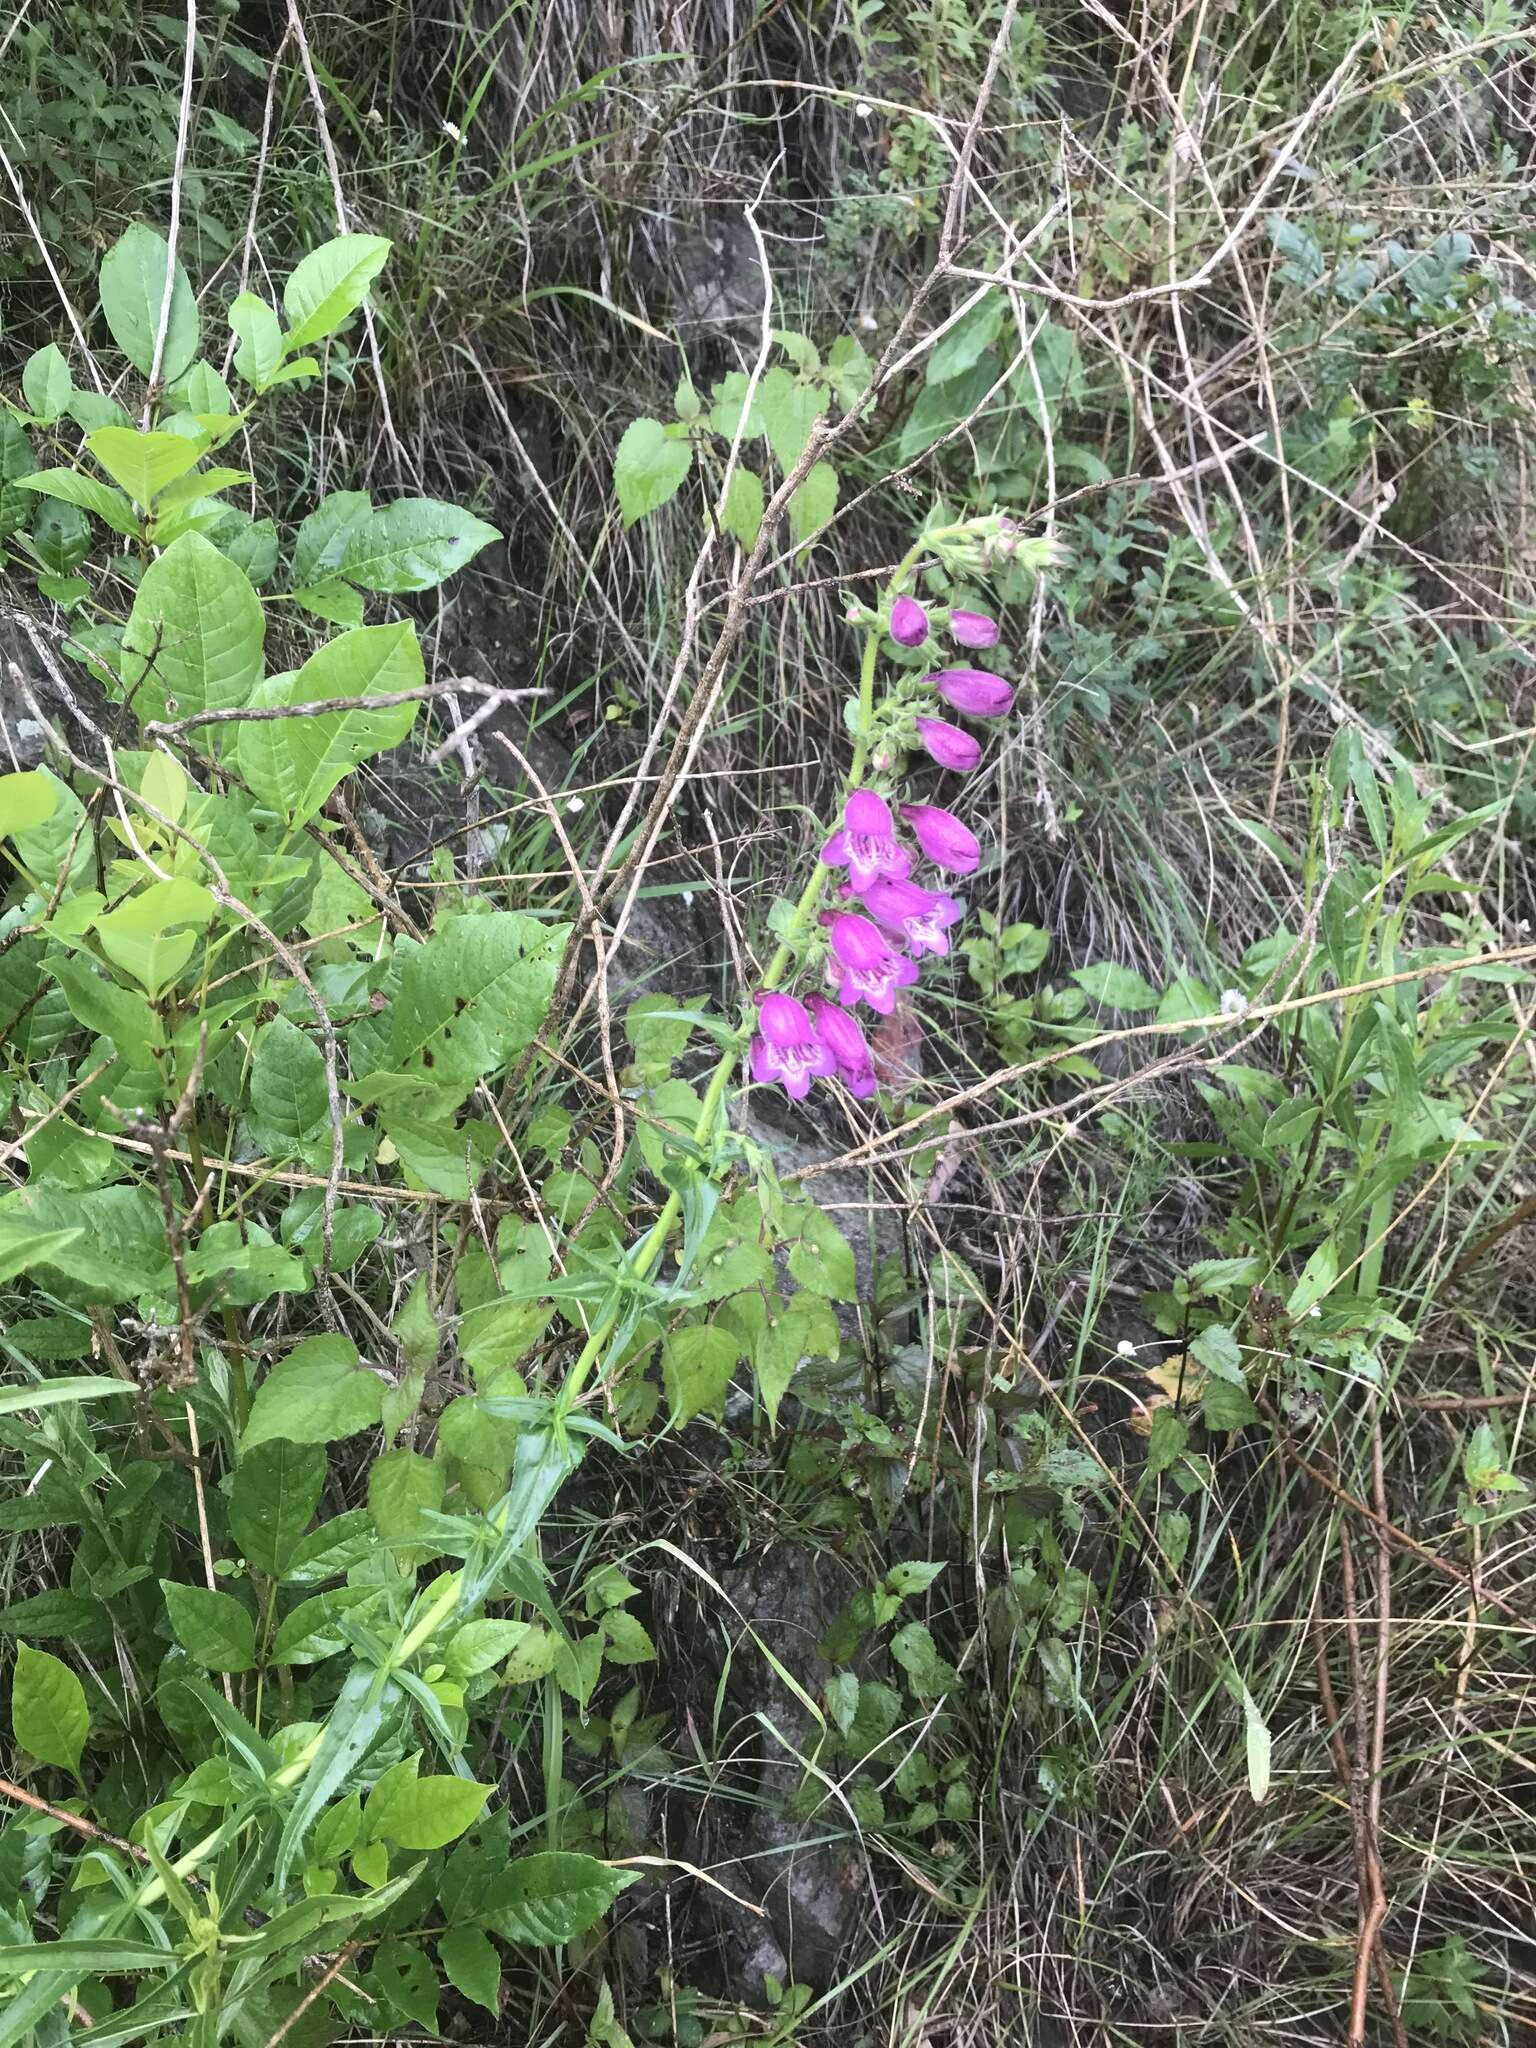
[(840, 1033), (909, 622), (867, 845), (919, 917), (787, 1048), (945, 841), (974, 691), (948, 744), (973, 629), (868, 971)]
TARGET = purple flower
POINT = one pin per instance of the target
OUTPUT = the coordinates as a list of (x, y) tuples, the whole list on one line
[(973, 629), (974, 691), (909, 622), (919, 917), (841, 1035), (868, 971), (786, 1048), (948, 745), (866, 845), (946, 842)]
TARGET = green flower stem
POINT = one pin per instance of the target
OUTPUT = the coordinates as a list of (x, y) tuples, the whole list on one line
[(654, 1241)]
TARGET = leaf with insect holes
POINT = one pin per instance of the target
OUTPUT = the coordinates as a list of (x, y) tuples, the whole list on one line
[(133, 296), (648, 468), (412, 545), (49, 1717), (552, 1897), (469, 998)]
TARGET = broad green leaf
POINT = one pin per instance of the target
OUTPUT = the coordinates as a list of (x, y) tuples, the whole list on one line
[(272, 1500), (472, 1966), (726, 414), (142, 464), (290, 1106), (928, 1674), (293, 764), (404, 1980), (329, 286), (813, 504), (48, 1712), (194, 638), (203, 390), (1227, 1406), (697, 1364), (16, 462), (823, 1259), (625, 1640), (403, 1489), (967, 341), (412, 545), (123, 1252), (742, 513), (335, 602), (213, 1628), (326, 534), (23, 1245), (648, 468), (849, 369), (261, 339), (479, 1645), (313, 1629), (424, 1813), (315, 1395), (1120, 988), (74, 487), (120, 1014), (46, 383), (153, 934), (552, 1897), (469, 999), (27, 799), (132, 286), (1220, 1353), (61, 540), (789, 412)]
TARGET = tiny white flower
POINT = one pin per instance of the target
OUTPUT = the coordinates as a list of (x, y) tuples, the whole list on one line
[(452, 131), (863, 109), (575, 803), (1233, 1003), (1314, 1311), (868, 323), (1125, 1348), (374, 118)]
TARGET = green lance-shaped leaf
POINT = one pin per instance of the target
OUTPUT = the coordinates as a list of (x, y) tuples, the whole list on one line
[(48, 1712), (132, 296)]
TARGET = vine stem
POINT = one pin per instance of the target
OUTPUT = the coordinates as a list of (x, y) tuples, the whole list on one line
[(652, 1244)]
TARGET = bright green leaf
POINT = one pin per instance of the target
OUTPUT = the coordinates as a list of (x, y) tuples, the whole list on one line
[(132, 283), (329, 286), (648, 468), (49, 1717), (213, 1628)]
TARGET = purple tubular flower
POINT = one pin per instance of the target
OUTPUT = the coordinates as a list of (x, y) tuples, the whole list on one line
[(909, 622), (920, 918), (948, 745), (973, 629), (974, 691), (787, 1048), (866, 844), (868, 971), (841, 1035), (945, 841)]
